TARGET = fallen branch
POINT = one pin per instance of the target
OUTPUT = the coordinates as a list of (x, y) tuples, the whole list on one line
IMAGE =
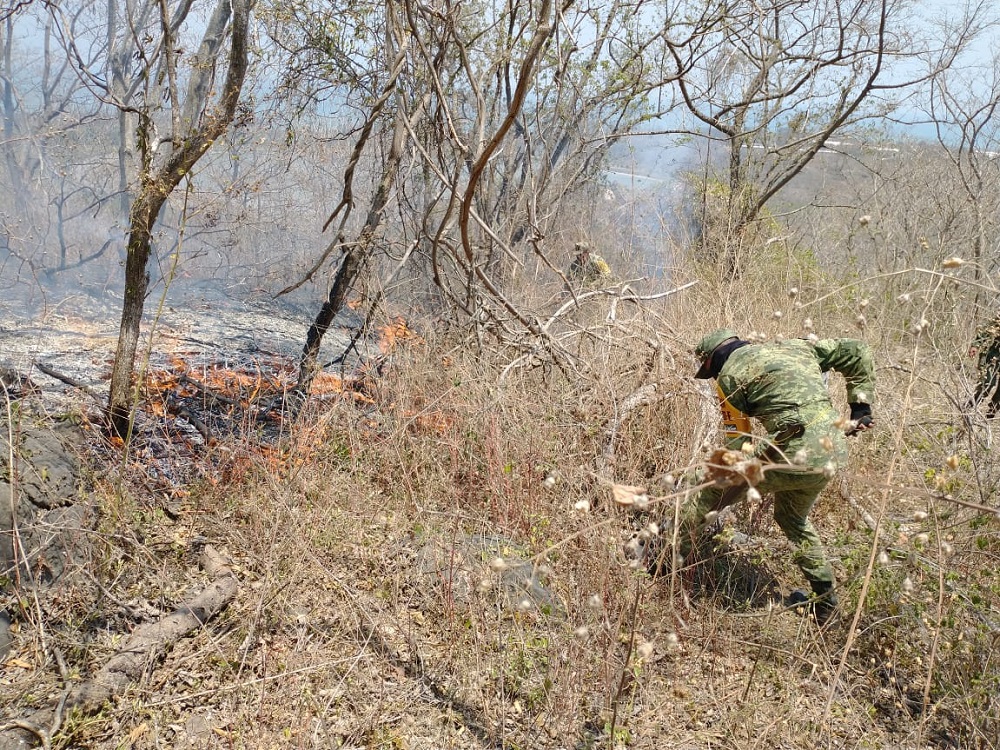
[(42, 367), (178, 409), (147, 644)]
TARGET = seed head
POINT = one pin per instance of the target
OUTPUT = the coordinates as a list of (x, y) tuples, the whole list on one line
[(952, 262), (921, 540), (582, 632), (793, 292), (953, 462), (864, 303), (905, 297), (907, 585), (829, 469), (861, 322), (594, 601), (807, 324), (883, 558), (549, 482), (827, 443), (753, 495), (672, 639), (645, 650), (582, 505), (919, 515), (498, 564)]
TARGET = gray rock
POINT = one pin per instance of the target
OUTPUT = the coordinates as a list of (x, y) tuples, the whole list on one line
[(464, 565), (42, 509), (5, 635)]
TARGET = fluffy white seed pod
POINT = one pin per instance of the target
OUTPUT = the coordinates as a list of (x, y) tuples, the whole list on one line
[(864, 220)]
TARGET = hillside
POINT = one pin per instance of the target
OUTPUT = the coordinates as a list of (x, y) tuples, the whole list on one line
[(440, 564)]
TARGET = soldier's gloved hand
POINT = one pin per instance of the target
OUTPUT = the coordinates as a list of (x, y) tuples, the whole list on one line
[(861, 417)]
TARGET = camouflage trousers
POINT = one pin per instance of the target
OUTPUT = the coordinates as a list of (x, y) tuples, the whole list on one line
[(794, 495), (989, 379)]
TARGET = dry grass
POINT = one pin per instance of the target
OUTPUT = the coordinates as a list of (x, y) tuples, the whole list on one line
[(373, 612)]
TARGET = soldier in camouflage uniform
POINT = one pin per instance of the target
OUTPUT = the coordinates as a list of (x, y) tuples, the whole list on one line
[(781, 384), (986, 345), (589, 267)]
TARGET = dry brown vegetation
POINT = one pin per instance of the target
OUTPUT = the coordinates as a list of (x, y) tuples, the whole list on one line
[(382, 559)]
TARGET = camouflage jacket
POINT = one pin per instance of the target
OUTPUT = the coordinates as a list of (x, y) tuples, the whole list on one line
[(987, 344), (781, 384), (593, 269)]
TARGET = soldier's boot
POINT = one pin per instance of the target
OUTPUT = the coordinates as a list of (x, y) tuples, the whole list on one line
[(824, 603)]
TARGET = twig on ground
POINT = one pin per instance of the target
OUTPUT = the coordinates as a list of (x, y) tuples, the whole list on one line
[(42, 367)]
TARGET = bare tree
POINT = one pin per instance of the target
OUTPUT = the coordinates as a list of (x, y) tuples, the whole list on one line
[(774, 81), (487, 119), (965, 108), (193, 119)]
